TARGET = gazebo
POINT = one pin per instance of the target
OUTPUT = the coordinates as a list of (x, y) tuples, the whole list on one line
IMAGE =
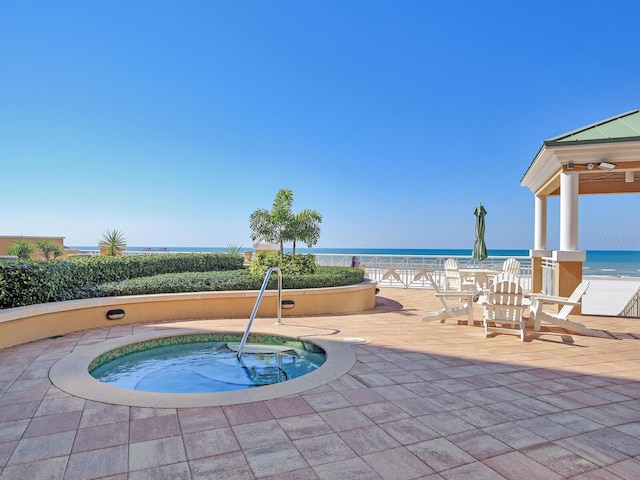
[(602, 158)]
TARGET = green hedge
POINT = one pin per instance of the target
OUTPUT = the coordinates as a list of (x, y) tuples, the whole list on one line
[(31, 282), (289, 264), (223, 281)]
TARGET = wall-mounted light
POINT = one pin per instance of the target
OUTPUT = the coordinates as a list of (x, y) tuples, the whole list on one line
[(570, 165), (628, 176), (606, 166), (287, 304), (116, 314), (590, 166)]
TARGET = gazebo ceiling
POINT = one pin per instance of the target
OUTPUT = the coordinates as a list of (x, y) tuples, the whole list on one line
[(601, 154)]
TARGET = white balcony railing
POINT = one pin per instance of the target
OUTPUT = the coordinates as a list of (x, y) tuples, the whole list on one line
[(548, 276), (410, 271)]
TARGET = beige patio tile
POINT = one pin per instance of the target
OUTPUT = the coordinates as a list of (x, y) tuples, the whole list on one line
[(512, 465), (368, 440), (47, 469), (324, 449), (155, 453), (208, 443), (274, 459), (228, 466), (440, 454), (350, 468), (176, 471), (97, 463), (397, 464)]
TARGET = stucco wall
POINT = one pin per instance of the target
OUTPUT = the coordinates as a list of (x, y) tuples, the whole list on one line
[(25, 324), (7, 241)]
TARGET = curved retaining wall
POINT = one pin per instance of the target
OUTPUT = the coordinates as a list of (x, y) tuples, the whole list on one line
[(26, 324)]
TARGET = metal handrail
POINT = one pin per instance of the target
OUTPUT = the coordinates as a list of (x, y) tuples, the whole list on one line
[(632, 307), (255, 307)]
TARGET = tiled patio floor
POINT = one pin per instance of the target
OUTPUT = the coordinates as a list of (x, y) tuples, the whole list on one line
[(424, 400)]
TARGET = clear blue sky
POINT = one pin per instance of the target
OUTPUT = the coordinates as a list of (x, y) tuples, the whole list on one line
[(173, 120)]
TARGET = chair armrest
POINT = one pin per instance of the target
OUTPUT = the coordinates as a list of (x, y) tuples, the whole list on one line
[(455, 294), (552, 299)]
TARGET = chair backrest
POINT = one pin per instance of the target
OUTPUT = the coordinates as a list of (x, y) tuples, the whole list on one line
[(505, 277), (511, 266), (505, 302), (452, 275), (575, 297)]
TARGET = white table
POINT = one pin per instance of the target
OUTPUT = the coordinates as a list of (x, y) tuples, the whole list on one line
[(481, 277)]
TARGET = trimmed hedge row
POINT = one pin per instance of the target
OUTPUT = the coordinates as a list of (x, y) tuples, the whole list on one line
[(289, 264), (222, 281), (32, 282)]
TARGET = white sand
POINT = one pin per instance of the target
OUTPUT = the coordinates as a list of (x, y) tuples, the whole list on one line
[(607, 296)]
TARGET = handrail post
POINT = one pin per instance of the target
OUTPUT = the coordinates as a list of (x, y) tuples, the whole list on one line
[(255, 307)]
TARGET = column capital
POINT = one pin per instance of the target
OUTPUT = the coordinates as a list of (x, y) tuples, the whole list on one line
[(569, 255), (539, 253)]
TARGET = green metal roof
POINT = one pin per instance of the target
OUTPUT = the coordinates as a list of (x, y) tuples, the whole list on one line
[(620, 128)]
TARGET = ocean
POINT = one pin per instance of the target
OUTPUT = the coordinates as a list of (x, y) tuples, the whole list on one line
[(606, 263)]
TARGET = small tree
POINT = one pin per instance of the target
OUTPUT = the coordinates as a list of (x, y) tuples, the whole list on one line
[(281, 225), (49, 249), (271, 225), (113, 243), (304, 227), (21, 249)]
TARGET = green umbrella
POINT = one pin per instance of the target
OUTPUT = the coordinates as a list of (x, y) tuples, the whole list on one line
[(479, 247)]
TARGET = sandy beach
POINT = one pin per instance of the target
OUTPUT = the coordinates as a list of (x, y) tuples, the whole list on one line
[(608, 295)]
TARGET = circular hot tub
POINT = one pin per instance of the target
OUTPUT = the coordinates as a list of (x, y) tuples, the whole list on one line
[(207, 362), (270, 366)]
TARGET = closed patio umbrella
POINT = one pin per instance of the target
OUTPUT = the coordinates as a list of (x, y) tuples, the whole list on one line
[(479, 247)]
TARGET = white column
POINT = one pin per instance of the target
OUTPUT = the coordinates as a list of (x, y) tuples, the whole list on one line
[(540, 226), (569, 211)]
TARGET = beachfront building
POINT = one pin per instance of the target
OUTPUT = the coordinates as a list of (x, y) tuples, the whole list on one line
[(602, 158), (6, 241)]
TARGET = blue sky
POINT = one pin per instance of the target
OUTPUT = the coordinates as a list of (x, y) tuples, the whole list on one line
[(173, 120)]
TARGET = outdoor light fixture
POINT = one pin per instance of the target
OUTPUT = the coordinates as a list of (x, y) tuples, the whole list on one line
[(606, 166), (628, 176), (116, 314), (570, 165), (288, 304)]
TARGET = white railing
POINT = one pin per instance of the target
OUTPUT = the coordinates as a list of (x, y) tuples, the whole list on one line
[(411, 271), (548, 276), (632, 308)]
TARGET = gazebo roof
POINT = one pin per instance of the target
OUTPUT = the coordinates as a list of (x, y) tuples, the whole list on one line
[(613, 143), (620, 128)]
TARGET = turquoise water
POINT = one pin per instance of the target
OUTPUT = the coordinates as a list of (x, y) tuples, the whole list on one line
[(205, 367), (611, 263)]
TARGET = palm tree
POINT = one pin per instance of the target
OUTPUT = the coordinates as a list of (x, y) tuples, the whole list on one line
[(305, 227), (271, 225), (22, 249), (49, 249), (113, 243)]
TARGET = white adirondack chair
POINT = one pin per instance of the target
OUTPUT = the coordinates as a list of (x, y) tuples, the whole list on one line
[(560, 319), (504, 308), (511, 267), (448, 311), (454, 280)]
